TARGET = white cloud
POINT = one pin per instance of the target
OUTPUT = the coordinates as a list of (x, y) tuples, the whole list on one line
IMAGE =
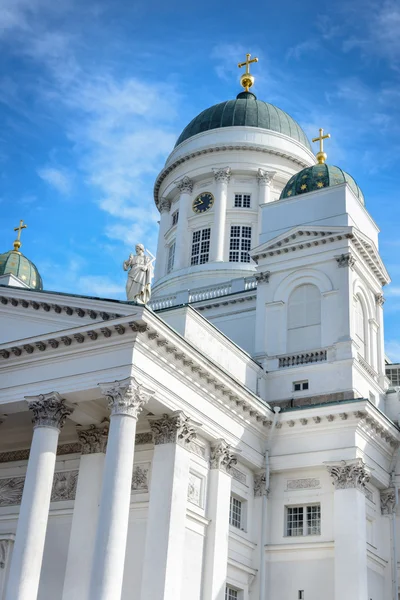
[(97, 285), (305, 47), (392, 349), (59, 179)]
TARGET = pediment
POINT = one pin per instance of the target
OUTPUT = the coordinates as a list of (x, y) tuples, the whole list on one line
[(26, 313), (299, 238)]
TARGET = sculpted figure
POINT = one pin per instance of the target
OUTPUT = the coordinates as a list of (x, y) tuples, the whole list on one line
[(140, 267)]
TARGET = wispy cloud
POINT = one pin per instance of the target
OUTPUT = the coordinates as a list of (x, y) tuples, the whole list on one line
[(392, 349), (59, 179), (303, 48)]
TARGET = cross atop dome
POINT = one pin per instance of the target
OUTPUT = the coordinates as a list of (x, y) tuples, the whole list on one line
[(247, 79), (17, 243), (321, 155)]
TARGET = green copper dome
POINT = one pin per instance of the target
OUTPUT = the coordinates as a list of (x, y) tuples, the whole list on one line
[(318, 177), (17, 264), (246, 111)]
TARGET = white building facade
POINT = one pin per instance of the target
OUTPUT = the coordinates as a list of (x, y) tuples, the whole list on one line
[(232, 440)]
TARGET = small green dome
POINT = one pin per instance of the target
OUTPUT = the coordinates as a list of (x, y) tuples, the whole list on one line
[(17, 264), (318, 177), (246, 111)]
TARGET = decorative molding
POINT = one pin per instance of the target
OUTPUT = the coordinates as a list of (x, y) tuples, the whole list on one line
[(238, 475), (49, 410), (310, 483), (388, 501), (184, 185), (126, 397), (64, 485), (164, 205), (265, 177), (6, 543), (195, 489), (144, 438), (93, 439), (260, 484), (176, 428), (348, 474), (11, 489), (222, 175), (380, 299), (263, 277), (346, 260), (222, 456), (140, 478), (68, 310)]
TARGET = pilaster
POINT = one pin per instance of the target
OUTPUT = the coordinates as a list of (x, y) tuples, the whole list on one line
[(222, 179), (164, 207), (185, 187)]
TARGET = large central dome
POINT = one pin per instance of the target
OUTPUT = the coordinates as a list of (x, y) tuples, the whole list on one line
[(246, 111)]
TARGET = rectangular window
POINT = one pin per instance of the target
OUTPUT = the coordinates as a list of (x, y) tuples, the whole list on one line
[(299, 386), (175, 217), (235, 512), (303, 520), (231, 594), (200, 246), (171, 257), (242, 200), (240, 243)]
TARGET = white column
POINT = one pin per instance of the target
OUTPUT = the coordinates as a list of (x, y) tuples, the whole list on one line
[(86, 510), (380, 301), (182, 253), (165, 223), (218, 501), (222, 178), (126, 399), (6, 545), (264, 193), (259, 532), (350, 530), (49, 414), (166, 521)]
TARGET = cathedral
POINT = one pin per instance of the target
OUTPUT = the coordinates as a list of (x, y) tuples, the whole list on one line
[(230, 431)]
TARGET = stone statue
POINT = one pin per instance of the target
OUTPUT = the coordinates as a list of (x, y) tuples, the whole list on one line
[(140, 267)]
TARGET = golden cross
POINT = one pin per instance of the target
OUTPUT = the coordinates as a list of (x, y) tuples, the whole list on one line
[(17, 243), (321, 156), (247, 63)]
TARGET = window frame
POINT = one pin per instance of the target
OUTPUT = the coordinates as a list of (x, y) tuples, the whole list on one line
[(232, 501), (204, 238), (240, 245), (175, 218), (240, 198), (228, 589), (305, 520), (171, 251), (304, 385)]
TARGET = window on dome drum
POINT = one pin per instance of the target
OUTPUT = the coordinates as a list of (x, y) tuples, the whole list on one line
[(303, 520), (235, 512), (200, 246), (242, 200), (240, 243), (171, 257), (304, 319), (300, 386), (175, 217), (393, 373), (231, 594)]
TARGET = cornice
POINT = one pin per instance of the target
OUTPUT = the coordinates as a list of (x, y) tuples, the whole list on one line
[(230, 147)]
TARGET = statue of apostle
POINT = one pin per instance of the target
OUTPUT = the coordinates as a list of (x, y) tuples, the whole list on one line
[(140, 267)]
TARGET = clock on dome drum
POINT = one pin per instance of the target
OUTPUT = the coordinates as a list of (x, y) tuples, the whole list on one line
[(203, 202)]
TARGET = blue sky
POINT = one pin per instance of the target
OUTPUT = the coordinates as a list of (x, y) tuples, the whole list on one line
[(94, 94)]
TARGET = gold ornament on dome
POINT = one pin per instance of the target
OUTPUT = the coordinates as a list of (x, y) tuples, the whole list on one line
[(17, 243), (247, 78), (321, 155)]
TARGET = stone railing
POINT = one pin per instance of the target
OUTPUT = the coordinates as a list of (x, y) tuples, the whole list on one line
[(212, 291), (250, 283), (303, 358), (163, 302), (370, 370)]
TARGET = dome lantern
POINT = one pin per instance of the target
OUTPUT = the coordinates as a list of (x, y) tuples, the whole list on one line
[(15, 263)]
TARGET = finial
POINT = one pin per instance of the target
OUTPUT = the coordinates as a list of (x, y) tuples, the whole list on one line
[(247, 78), (17, 243), (321, 155)]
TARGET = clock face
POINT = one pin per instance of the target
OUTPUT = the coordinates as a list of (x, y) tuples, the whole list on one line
[(203, 202)]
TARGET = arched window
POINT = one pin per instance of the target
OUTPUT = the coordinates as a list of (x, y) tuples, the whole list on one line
[(360, 326), (304, 318)]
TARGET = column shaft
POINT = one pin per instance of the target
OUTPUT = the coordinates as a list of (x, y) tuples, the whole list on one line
[(182, 252), (84, 524), (222, 177), (160, 265), (166, 524), (50, 413), (110, 546)]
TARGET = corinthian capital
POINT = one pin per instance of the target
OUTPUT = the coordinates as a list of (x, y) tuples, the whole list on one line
[(260, 483), (265, 177), (126, 397), (223, 174), (184, 185), (164, 205), (222, 456), (176, 428), (350, 474), (49, 410), (380, 299), (388, 501), (346, 260), (93, 439)]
